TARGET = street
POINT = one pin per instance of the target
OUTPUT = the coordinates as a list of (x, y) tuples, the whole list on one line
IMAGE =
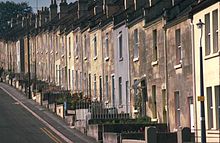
[(19, 126)]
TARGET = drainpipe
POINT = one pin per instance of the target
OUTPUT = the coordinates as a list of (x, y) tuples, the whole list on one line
[(194, 76), (165, 70), (49, 48)]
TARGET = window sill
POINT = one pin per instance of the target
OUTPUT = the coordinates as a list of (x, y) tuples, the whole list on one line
[(106, 102), (106, 58), (95, 58), (121, 59), (154, 63), (76, 57), (154, 119), (85, 58), (136, 59), (62, 55), (213, 131), (51, 52), (135, 111), (178, 66), (69, 56), (56, 52), (120, 106), (217, 54)]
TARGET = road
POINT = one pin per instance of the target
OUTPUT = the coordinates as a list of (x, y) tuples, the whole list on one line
[(17, 125)]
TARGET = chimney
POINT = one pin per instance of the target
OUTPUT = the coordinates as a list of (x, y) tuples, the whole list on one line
[(39, 17), (18, 19), (140, 4), (37, 20), (63, 8), (30, 18), (44, 15), (105, 3), (53, 9), (98, 8), (128, 3), (109, 8), (174, 2), (153, 2), (23, 21), (12, 22), (82, 8)]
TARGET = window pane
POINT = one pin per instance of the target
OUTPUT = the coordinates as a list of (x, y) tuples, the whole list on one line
[(178, 46), (69, 79), (80, 84), (135, 43), (120, 90), (100, 88), (155, 45), (72, 79), (76, 45), (106, 86), (85, 46), (85, 85), (76, 80), (113, 91), (135, 94), (210, 107), (127, 90), (94, 85), (217, 96), (106, 45), (95, 46), (69, 46), (154, 101), (177, 106), (90, 86), (207, 34), (120, 45), (215, 30)]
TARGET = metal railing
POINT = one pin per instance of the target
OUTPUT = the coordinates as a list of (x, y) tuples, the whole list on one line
[(99, 110)]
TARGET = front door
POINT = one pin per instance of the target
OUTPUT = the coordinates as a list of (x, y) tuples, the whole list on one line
[(144, 98)]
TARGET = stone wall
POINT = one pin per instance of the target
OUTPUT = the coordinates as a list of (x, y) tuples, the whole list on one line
[(95, 131)]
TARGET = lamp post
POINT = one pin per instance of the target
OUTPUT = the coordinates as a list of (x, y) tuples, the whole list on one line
[(201, 97)]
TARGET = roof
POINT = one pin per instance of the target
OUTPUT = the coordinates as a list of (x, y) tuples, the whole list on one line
[(202, 5)]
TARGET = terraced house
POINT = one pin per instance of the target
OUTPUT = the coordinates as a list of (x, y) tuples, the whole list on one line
[(208, 13), (139, 57)]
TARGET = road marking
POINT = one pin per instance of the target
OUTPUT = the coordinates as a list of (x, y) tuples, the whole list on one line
[(15, 103), (52, 135), (38, 117), (49, 134)]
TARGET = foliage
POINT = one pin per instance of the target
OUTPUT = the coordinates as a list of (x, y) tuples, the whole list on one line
[(11, 74), (145, 119), (60, 100), (9, 10)]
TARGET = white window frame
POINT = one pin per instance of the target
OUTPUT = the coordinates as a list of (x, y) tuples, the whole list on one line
[(120, 47), (95, 46), (106, 46), (136, 44), (76, 46)]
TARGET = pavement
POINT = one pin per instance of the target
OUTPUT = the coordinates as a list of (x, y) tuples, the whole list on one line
[(24, 121)]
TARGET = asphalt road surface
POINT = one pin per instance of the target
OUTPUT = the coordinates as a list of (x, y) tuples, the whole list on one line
[(17, 125)]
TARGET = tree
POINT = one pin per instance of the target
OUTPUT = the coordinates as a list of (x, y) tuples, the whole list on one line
[(9, 10)]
